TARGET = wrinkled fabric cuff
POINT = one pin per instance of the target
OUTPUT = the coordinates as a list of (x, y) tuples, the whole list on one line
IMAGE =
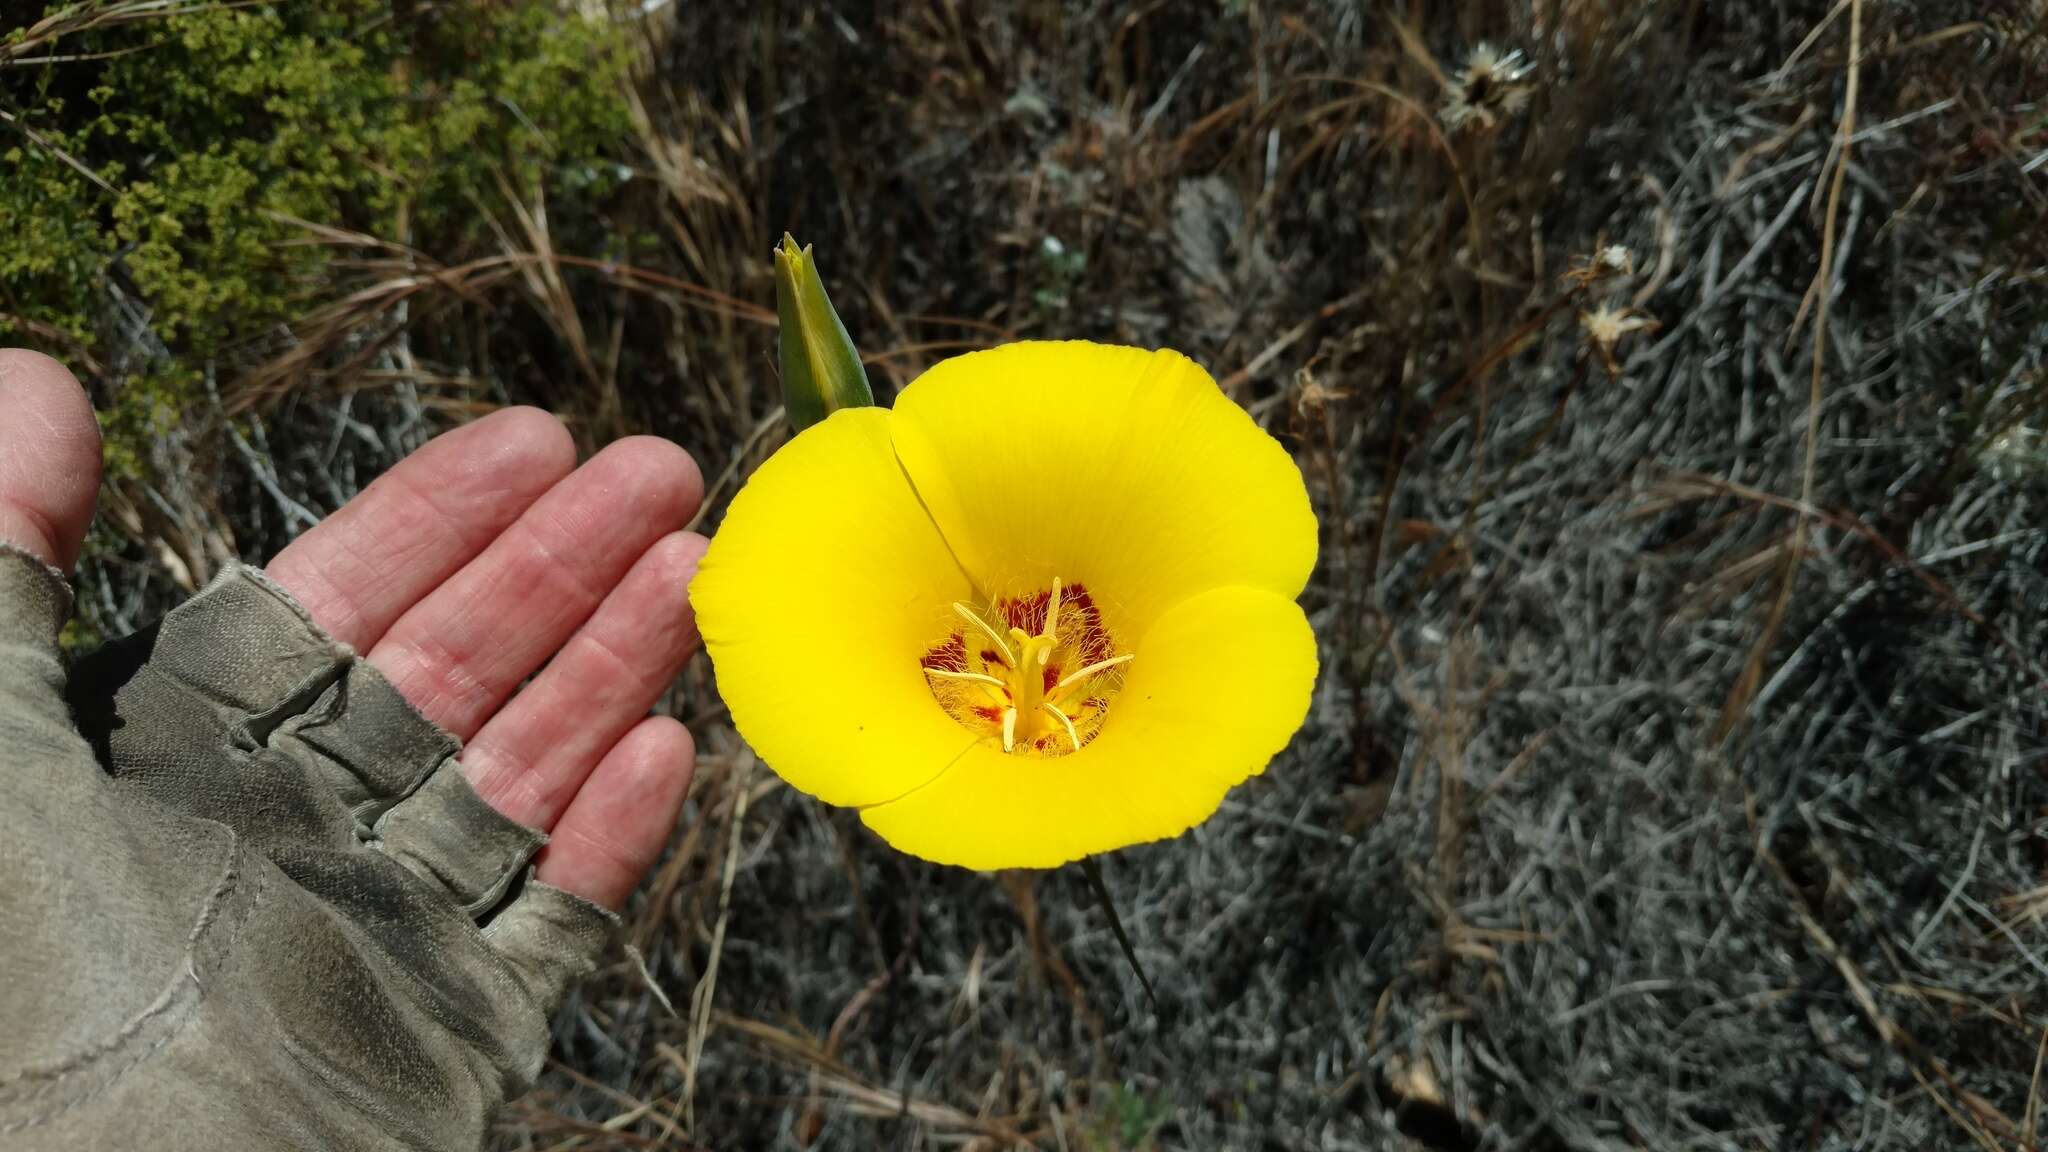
[(552, 938), (252, 665), (244, 643), (447, 832), (35, 599)]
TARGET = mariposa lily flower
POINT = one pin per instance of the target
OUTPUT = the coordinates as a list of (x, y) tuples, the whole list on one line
[(1044, 607)]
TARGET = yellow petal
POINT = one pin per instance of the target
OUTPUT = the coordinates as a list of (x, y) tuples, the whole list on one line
[(1220, 683), (1125, 470), (820, 592)]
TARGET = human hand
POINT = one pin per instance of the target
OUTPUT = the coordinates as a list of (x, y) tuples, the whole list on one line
[(480, 560), (286, 920)]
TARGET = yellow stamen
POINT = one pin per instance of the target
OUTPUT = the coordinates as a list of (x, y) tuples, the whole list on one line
[(998, 692), (976, 677), (1027, 702), (975, 619), (1065, 720), (1080, 674)]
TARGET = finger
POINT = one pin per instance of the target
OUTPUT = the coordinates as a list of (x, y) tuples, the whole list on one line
[(618, 824), (49, 457), (461, 651), (360, 569), (530, 758)]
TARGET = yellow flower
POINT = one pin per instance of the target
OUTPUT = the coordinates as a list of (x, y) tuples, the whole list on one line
[(1042, 608)]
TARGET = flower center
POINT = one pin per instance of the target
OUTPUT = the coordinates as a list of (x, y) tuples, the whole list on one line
[(1037, 671)]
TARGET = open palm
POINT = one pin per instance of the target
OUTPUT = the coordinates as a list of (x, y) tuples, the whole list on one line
[(535, 609)]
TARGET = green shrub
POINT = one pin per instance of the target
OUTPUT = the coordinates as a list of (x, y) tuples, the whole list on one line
[(162, 161)]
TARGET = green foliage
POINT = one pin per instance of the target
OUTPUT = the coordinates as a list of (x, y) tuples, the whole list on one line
[(1128, 1121), (146, 407), (1060, 270), (165, 160), (78, 636)]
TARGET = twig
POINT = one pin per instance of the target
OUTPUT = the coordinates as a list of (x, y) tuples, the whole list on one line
[(1744, 688), (700, 999), (713, 494)]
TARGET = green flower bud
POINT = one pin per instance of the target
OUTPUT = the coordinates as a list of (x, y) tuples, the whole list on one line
[(821, 370)]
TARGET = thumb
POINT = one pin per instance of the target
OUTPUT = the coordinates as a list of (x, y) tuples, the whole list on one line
[(49, 457)]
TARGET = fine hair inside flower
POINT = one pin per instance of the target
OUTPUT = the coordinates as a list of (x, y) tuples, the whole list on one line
[(1039, 671)]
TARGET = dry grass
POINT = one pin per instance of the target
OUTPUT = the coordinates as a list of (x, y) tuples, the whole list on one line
[(1676, 777)]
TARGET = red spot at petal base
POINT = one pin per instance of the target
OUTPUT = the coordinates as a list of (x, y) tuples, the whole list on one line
[(950, 655), (1080, 640)]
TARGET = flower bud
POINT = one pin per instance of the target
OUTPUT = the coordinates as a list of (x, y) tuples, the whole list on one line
[(821, 369)]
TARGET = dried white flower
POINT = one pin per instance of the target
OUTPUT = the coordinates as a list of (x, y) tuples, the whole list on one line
[(1606, 325), (1605, 261), (1487, 89)]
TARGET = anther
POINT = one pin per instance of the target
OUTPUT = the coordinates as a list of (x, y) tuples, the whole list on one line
[(1002, 690), (1009, 729), (975, 619), (976, 677), (1080, 674)]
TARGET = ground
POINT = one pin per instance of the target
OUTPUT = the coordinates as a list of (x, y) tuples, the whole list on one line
[(1669, 378)]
